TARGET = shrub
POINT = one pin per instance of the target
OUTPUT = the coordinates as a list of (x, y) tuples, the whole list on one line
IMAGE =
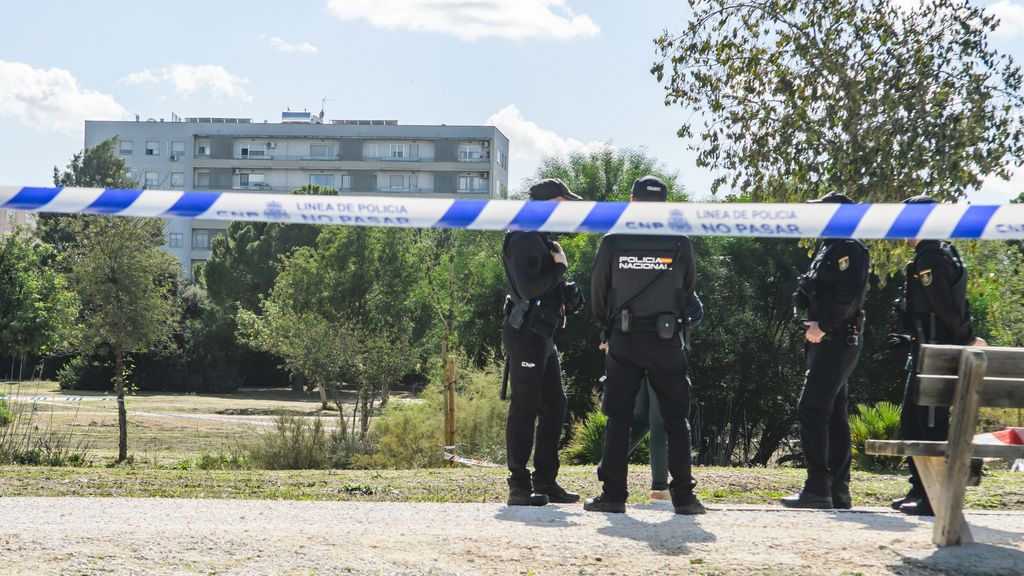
[(587, 442), (86, 373), (6, 416), (295, 443), (878, 422)]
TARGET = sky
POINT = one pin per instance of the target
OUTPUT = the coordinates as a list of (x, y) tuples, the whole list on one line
[(554, 75)]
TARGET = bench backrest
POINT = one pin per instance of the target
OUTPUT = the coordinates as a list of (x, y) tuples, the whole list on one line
[(1003, 386)]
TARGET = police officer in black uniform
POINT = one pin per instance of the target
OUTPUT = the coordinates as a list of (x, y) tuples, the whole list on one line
[(538, 299), (641, 288), (832, 295), (932, 310)]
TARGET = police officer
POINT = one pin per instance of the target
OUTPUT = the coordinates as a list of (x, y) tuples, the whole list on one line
[(832, 295), (535, 307), (641, 287), (932, 310)]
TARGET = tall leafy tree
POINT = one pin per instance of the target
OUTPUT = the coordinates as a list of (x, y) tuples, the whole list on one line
[(38, 311), (868, 98), (126, 284)]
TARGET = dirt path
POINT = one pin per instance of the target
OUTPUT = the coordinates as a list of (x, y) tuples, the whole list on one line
[(156, 536)]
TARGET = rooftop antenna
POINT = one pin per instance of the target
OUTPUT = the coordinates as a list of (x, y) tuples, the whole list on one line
[(323, 105)]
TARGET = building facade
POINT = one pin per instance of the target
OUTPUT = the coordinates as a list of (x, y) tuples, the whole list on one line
[(363, 158)]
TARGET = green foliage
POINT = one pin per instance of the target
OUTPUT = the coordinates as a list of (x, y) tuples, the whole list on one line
[(38, 311), (295, 443), (85, 372), (607, 174), (6, 415), (996, 290), (210, 461), (878, 422), (586, 442)]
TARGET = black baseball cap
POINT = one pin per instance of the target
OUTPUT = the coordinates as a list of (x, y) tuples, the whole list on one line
[(551, 188), (833, 198), (922, 199), (649, 189)]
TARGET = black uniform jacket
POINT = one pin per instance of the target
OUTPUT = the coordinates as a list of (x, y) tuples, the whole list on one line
[(936, 284), (604, 268), (527, 258), (839, 275)]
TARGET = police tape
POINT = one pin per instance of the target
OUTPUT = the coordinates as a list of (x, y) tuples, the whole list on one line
[(59, 398), (449, 454), (887, 221)]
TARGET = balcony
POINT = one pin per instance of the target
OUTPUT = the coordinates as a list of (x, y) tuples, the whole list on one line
[(397, 159)]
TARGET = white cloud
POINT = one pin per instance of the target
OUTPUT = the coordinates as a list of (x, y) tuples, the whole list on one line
[(529, 143), (995, 190), (1011, 18), (50, 100), (282, 45), (187, 80), (471, 20)]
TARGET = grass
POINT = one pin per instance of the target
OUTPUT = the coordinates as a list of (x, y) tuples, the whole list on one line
[(1001, 490)]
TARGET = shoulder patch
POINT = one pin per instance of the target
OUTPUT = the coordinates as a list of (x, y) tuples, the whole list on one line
[(844, 262), (925, 276)]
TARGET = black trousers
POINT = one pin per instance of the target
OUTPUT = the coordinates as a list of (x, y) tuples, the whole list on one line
[(824, 415), (536, 407), (630, 357), (914, 425)]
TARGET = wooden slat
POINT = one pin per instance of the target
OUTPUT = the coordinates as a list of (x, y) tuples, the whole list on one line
[(950, 527), (926, 448), (932, 471), (942, 360), (995, 392)]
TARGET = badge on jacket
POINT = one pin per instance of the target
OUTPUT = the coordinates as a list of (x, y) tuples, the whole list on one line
[(844, 262), (925, 276)]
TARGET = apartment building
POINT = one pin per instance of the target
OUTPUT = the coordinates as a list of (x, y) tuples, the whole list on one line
[(355, 157)]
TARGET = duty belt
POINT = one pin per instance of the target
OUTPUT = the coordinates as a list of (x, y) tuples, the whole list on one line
[(638, 324)]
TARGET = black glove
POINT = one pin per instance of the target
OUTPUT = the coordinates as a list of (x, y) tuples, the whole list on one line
[(899, 347), (572, 297)]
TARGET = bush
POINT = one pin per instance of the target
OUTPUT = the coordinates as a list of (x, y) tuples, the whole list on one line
[(295, 443), (878, 422), (26, 443), (586, 442), (411, 434), (86, 373), (6, 416)]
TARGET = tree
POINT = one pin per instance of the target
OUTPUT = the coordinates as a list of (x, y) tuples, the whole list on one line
[(38, 311), (800, 97), (607, 174), (126, 285)]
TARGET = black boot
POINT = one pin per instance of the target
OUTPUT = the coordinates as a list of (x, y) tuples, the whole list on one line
[(842, 500), (920, 507), (556, 494), (600, 504), (804, 499), (519, 496)]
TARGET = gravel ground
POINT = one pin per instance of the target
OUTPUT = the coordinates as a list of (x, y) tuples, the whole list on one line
[(167, 536)]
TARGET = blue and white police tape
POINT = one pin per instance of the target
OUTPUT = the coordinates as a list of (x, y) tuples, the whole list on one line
[(893, 221), (59, 398)]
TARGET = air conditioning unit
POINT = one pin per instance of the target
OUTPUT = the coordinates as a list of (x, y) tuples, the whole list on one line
[(271, 145), (483, 174), (236, 171), (174, 157)]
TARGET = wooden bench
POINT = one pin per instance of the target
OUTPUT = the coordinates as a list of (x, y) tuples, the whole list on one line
[(964, 379)]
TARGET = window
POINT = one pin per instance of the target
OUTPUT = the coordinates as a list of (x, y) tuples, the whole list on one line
[(396, 182), (320, 151), (414, 182), (200, 239), (177, 179), (152, 148), (370, 150), (398, 150), (322, 180), (203, 179), (253, 181), (346, 181), (253, 150), (503, 160), (175, 240), (203, 148), (152, 179), (470, 152), (177, 149), (125, 147), (472, 184)]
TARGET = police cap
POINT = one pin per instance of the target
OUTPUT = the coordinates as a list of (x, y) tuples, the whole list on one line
[(833, 198), (650, 189), (922, 199), (551, 188)]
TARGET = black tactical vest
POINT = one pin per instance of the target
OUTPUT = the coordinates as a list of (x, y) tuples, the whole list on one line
[(651, 265), (918, 306), (822, 278)]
